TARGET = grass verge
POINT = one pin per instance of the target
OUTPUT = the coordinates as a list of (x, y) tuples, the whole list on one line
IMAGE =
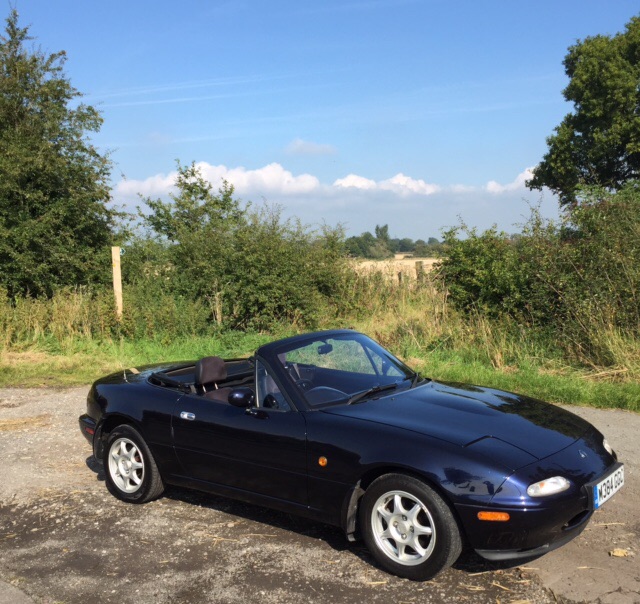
[(78, 363), (568, 385)]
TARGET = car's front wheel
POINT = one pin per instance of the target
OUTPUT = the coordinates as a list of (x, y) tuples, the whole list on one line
[(130, 471), (408, 527)]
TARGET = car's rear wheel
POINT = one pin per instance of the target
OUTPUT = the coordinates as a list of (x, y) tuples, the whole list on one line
[(408, 527), (130, 471)]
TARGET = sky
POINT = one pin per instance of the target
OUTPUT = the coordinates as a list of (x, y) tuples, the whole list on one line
[(413, 113)]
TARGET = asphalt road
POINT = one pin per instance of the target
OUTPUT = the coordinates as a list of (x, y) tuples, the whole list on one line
[(64, 539)]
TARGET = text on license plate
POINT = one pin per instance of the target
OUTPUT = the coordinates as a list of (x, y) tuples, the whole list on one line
[(605, 489)]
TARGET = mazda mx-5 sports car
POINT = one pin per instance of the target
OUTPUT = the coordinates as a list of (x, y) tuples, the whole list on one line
[(332, 426)]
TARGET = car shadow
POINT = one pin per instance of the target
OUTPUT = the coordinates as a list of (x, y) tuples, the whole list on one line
[(471, 562), (288, 523), (95, 466), (294, 527)]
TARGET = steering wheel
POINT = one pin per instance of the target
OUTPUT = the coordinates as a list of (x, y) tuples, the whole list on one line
[(304, 384)]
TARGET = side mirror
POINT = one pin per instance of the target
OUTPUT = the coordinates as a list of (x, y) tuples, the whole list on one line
[(242, 397), (325, 349)]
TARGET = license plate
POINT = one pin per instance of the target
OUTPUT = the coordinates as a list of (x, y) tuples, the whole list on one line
[(604, 490)]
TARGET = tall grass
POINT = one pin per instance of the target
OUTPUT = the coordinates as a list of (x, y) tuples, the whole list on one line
[(416, 320), (80, 314), (419, 324), (75, 337)]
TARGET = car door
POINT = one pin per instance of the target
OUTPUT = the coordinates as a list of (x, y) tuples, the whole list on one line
[(259, 450)]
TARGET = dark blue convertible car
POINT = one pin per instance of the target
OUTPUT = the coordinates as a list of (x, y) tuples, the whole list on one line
[(332, 426)]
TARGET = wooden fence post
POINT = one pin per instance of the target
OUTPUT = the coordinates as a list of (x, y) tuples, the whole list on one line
[(117, 280)]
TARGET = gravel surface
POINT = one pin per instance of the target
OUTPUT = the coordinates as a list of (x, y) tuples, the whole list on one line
[(64, 539)]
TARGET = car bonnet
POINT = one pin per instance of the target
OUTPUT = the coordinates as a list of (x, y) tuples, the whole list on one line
[(463, 414)]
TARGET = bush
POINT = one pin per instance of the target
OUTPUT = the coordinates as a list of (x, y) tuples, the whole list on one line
[(484, 272), (575, 280), (282, 272), (247, 268)]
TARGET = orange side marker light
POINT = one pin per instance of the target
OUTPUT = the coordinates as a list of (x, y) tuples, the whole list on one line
[(494, 516)]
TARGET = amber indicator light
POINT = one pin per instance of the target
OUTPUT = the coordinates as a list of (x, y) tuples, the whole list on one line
[(494, 516), (322, 461)]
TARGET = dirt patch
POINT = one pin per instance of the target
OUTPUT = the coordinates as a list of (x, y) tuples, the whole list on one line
[(24, 423), (63, 538)]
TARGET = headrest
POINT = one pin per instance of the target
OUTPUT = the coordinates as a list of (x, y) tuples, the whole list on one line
[(210, 369)]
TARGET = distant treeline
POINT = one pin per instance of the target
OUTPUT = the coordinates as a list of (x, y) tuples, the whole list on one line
[(380, 245)]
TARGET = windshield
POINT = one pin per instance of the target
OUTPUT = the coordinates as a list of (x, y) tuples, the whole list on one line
[(343, 368)]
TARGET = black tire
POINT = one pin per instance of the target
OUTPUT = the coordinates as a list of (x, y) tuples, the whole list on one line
[(130, 471), (408, 527)]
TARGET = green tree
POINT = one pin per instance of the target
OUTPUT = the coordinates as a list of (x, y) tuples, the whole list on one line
[(406, 245), (382, 232), (575, 281), (55, 226), (194, 209), (368, 246), (429, 249), (250, 267), (421, 249), (194, 236), (599, 142), (357, 247)]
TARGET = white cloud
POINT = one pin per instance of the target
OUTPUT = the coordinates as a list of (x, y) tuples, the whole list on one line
[(399, 184), (273, 179), (412, 207), (519, 183), (356, 182), (302, 147), (269, 180), (405, 185)]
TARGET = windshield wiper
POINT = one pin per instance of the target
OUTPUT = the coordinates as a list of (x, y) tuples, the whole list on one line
[(374, 389)]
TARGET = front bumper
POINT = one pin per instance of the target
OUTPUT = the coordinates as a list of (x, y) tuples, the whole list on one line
[(529, 532), (539, 525), (557, 541)]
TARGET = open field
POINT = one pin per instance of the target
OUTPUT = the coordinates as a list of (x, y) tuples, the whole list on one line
[(391, 268)]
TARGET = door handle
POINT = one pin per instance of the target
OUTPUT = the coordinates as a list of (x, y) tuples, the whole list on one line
[(257, 413), (187, 415)]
